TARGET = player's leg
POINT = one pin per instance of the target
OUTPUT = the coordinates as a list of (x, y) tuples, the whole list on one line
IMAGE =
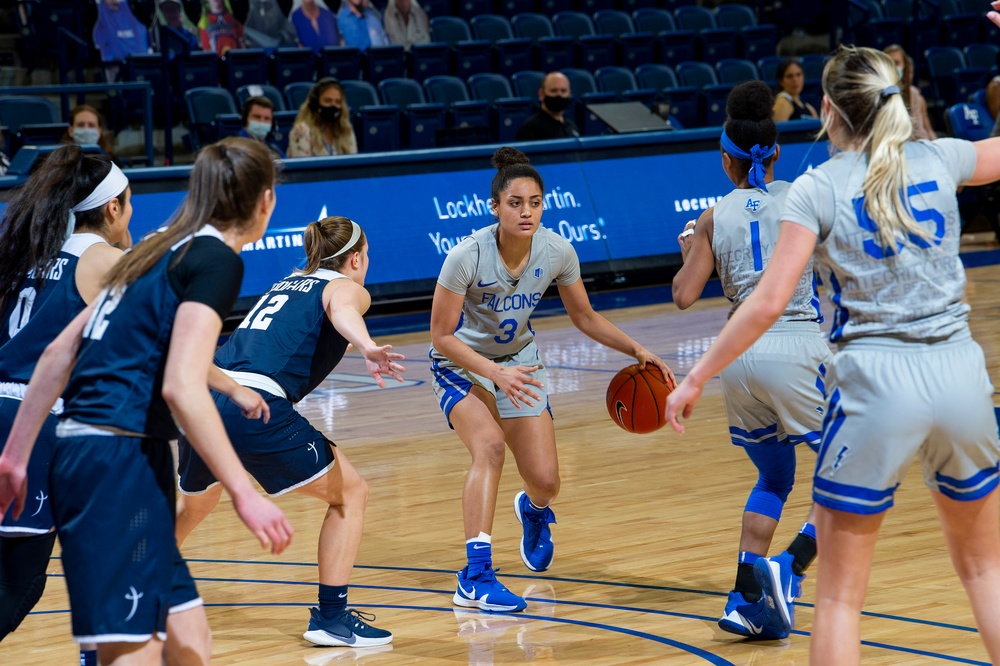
[(532, 440), (189, 639), (193, 508), (973, 537), (23, 561), (131, 654)]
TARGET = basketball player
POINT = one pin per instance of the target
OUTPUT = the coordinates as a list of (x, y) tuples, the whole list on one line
[(908, 380), (133, 363), (284, 348), (489, 378), (55, 250), (774, 392)]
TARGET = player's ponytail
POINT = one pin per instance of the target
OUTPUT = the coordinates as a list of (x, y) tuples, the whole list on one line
[(750, 135), (862, 86), (36, 221), (511, 164), (330, 242)]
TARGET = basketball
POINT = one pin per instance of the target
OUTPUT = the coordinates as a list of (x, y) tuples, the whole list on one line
[(637, 398)]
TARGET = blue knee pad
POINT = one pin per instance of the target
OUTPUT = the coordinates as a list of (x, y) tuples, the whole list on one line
[(776, 475)]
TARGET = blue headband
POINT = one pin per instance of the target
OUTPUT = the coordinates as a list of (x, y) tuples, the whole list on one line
[(757, 155)]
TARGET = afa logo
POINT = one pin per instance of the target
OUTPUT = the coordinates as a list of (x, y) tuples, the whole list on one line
[(539, 272), (752, 205)]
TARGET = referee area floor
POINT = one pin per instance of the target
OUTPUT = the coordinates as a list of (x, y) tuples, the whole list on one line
[(646, 540)]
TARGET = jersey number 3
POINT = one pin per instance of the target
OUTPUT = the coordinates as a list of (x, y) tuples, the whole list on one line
[(260, 317)]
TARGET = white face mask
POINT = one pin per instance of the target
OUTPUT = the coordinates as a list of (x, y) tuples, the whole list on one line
[(86, 136), (258, 130), (899, 71)]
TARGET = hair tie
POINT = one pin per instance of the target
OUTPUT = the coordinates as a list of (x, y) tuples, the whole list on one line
[(355, 235), (757, 155), (889, 91)]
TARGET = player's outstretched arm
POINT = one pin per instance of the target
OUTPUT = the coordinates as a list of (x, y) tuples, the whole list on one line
[(348, 303), (597, 327), (751, 320), (47, 383), (185, 389)]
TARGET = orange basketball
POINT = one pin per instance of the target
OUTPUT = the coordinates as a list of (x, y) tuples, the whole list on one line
[(637, 399)]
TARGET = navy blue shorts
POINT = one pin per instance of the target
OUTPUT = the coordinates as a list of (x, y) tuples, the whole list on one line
[(37, 515), (113, 500), (283, 454)]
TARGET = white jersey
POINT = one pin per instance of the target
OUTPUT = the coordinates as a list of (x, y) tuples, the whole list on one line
[(497, 306), (745, 230), (911, 292)]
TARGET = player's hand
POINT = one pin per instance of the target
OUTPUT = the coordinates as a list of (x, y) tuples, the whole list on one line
[(265, 520), (515, 380), (381, 361), (993, 16), (251, 404), (682, 400), (685, 237), (13, 488), (644, 356)]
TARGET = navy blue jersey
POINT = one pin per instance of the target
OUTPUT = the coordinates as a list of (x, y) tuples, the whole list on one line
[(32, 317), (118, 376), (287, 336)]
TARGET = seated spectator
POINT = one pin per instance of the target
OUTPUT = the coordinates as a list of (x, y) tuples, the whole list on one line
[(323, 126), (170, 15), (406, 23), (267, 26), (360, 25), (218, 28), (315, 24), (549, 122), (257, 119), (912, 98), (787, 103), (117, 35), (86, 127)]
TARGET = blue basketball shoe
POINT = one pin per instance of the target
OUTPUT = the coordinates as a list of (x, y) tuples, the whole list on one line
[(780, 586), (536, 544), (348, 628), (755, 620), (479, 588)]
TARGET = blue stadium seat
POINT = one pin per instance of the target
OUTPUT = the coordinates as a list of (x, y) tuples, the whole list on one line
[(552, 52), (203, 105), (489, 87), (511, 7), (677, 46), (958, 26), (527, 83), (701, 76), (685, 101), (593, 51), (871, 27), (150, 67), (979, 97), (435, 8), (982, 55), (426, 60), (422, 119), (634, 48), (296, 94), (471, 56), (622, 82), (736, 71), (507, 112), (40, 134), (341, 62), (243, 67), (968, 121), (469, 8), (715, 43), (385, 62), (756, 40), (464, 111), (196, 69), (17, 110), (512, 54), (375, 124), (768, 68), (283, 123), (593, 6), (291, 65), (812, 66), (359, 94), (654, 20), (450, 30), (491, 27), (584, 91), (697, 74), (553, 7), (953, 80), (257, 90)]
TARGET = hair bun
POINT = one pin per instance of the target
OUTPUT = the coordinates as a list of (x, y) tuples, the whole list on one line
[(752, 100), (507, 156)]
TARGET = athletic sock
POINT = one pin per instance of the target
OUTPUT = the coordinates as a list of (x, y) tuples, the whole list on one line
[(534, 510), (332, 600), (746, 583), (479, 552), (88, 657), (803, 549)]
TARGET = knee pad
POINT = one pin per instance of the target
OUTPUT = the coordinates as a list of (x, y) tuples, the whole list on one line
[(776, 476), (23, 561)]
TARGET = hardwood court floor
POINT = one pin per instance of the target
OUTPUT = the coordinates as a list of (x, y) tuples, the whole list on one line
[(645, 544)]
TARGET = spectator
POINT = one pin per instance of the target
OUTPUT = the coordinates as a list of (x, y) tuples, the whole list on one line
[(257, 119), (315, 24), (86, 127), (170, 16), (323, 126), (406, 23), (117, 35), (912, 98), (787, 103), (549, 122), (267, 26), (360, 25), (219, 29)]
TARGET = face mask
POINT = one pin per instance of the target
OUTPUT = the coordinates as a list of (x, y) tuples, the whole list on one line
[(258, 130), (557, 104), (86, 136), (899, 71), (329, 114)]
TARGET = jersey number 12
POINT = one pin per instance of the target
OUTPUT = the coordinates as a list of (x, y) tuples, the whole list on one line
[(260, 317)]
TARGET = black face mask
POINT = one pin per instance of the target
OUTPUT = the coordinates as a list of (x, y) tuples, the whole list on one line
[(557, 104), (329, 114)]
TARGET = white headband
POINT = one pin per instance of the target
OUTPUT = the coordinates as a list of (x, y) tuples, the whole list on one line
[(109, 188), (355, 235)]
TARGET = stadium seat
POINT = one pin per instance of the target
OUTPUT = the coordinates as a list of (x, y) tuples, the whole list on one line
[(654, 20), (296, 94), (979, 97), (622, 82), (736, 71), (196, 69), (715, 43), (552, 52), (450, 30), (685, 101), (385, 62), (968, 121), (584, 91), (634, 48), (257, 90), (871, 27), (511, 54), (359, 93), (464, 111), (40, 134), (243, 67), (511, 7), (423, 119), (471, 56), (291, 65), (203, 105), (341, 62), (152, 68), (982, 55), (507, 112), (283, 123), (469, 8), (756, 40), (428, 60), (675, 45), (768, 68), (435, 8), (593, 50), (527, 83), (376, 125), (953, 80)]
